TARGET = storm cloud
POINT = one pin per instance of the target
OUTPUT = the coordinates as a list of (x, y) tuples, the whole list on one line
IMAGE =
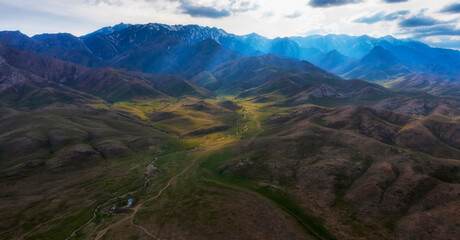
[(203, 11), (395, 1), (438, 30), (213, 10), (382, 16), (418, 20), (453, 8), (331, 3)]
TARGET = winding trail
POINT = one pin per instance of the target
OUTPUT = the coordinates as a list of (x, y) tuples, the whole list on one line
[(74, 233), (138, 206), (135, 209), (63, 215)]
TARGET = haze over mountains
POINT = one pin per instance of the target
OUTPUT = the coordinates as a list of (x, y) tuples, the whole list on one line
[(220, 136), (165, 49)]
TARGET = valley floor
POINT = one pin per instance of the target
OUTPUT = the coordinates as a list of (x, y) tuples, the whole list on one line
[(271, 173)]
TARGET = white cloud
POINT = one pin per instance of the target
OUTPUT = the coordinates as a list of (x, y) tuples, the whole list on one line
[(271, 18)]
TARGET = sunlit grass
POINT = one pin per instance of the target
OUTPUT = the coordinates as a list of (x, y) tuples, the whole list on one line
[(188, 114)]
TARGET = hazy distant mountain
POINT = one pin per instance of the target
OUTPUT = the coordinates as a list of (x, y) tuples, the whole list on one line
[(170, 49), (378, 64), (285, 80), (330, 60), (249, 72)]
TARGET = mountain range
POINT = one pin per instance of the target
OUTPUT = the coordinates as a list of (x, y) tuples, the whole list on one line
[(190, 132), (340, 54)]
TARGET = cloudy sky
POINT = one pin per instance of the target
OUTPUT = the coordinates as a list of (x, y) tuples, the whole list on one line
[(434, 22)]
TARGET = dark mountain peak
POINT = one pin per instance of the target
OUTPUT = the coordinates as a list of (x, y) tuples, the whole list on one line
[(389, 39), (379, 49), (334, 53), (18, 40), (12, 33), (330, 60), (379, 55), (253, 35), (365, 36), (53, 35), (110, 29), (285, 47), (65, 46), (65, 40)]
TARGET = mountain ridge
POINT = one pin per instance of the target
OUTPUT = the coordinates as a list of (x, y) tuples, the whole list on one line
[(113, 42)]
